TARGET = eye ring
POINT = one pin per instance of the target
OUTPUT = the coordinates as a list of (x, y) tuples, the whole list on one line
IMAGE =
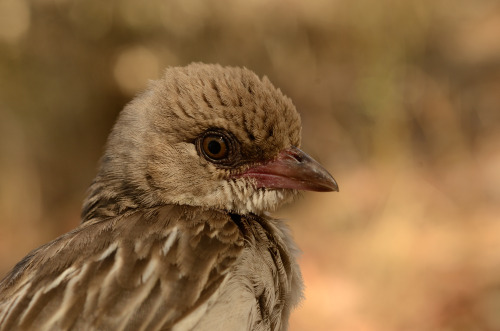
[(215, 147), (218, 146)]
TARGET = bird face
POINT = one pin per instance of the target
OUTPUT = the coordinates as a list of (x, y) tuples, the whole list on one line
[(213, 137)]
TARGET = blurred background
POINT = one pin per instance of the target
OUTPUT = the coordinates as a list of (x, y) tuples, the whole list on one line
[(399, 99)]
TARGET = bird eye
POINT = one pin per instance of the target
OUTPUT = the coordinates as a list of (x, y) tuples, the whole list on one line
[(218, 146), (215, 147)]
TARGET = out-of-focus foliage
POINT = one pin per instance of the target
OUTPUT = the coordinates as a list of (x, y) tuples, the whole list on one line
[(400, 99)]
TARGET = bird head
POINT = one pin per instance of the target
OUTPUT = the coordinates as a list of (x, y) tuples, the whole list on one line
[(208, 136)]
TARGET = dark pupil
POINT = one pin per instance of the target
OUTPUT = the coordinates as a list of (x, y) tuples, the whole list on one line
[(214, 147)]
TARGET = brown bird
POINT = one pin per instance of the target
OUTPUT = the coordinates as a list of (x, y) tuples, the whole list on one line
[(175, 233)]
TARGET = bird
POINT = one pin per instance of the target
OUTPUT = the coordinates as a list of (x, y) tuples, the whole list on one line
[(176, 230)]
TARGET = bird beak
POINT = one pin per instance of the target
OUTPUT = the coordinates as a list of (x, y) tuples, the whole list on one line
[(292, 169)]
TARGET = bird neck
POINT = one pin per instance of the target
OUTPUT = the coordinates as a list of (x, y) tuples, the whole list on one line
[(107, 199)]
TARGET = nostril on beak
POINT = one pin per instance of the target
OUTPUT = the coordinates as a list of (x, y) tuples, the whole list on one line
[(293, 153), (297, 157)]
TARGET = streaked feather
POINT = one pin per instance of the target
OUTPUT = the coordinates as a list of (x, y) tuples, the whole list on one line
[(162, 269)]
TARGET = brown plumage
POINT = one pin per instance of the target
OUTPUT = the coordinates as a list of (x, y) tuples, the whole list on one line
[(174, 233)]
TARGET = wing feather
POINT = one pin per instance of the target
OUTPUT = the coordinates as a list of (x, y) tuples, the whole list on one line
[(139, 271)]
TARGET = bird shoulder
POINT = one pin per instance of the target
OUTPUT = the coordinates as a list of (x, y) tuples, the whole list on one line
[(159, 265)]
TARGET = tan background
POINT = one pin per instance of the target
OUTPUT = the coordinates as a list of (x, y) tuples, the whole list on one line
[(399, 99)]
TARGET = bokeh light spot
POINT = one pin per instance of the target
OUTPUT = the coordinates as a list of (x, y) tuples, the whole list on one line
[(134, 67), (14, 19)]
